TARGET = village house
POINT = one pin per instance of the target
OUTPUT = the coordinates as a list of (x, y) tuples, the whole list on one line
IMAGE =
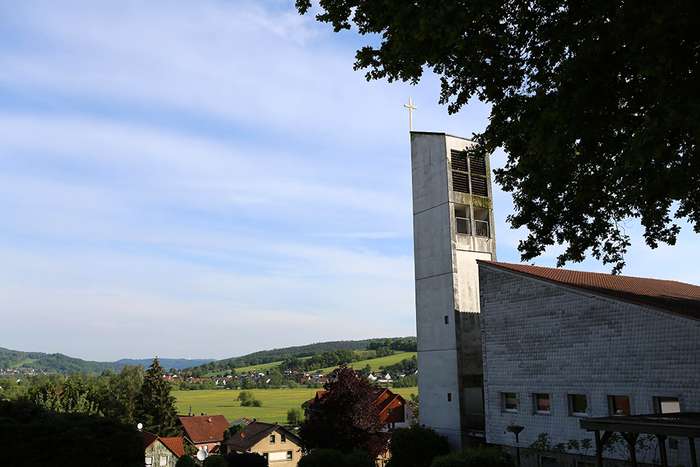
[(280, 446), (162, 451), (204, 431)]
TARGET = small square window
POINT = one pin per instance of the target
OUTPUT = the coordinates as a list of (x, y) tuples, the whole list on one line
[(289, 455), (272, 439), (542, 403), (149, 461), (664, 405), (578, 405), (463, 219), (510, 401), (163, 461), (283, 438), (619, 405)]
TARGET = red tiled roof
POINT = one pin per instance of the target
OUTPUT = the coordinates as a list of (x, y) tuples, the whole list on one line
[(204, 428), (176, 444), (676, 297)]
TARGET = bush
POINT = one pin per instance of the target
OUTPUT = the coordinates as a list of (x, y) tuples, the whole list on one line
[(416, 447), (294, 417), (215, 461), (476, 457), (186, 461), (247, 459), (334, 458)]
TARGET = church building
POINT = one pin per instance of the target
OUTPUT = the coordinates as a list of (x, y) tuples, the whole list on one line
[(562, 363)]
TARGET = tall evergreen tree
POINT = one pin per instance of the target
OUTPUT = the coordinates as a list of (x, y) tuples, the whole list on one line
[(155, 405)]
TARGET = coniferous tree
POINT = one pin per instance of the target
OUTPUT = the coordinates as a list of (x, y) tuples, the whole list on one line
[(155, 405)]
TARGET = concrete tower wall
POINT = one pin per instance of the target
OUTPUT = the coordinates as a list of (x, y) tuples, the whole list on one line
[(449, 347)]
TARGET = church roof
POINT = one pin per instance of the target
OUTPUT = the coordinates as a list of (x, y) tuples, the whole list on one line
[(673, 296)]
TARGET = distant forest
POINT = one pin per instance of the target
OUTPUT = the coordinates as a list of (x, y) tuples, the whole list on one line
[(319, 355)]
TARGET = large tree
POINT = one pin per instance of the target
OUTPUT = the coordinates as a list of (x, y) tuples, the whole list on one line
[(344, 417), (155, 406), (596, 103)]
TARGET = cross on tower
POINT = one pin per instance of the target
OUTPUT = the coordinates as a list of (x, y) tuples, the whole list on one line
[(411, 107)]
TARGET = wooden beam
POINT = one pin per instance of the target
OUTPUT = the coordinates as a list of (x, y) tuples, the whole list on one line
[(662, 450), (693, 454), (632, 445)]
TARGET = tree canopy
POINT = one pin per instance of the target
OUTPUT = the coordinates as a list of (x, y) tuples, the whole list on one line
[(155, 406), (345, 418), (596, 104)]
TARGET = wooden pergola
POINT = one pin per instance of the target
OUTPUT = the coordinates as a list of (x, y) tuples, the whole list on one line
[(681, 425)]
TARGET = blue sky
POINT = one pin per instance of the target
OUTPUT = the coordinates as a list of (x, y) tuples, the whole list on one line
[(205, 179)]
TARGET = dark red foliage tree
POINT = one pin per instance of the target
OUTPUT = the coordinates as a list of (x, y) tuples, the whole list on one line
[(344, 416)]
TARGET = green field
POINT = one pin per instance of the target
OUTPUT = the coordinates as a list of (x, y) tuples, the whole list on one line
[(376, 363), (276, 402)]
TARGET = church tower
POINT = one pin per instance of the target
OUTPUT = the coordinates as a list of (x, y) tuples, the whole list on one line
[(452, 228)]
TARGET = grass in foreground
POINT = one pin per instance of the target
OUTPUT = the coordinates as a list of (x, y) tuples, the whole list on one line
[(276, 402)]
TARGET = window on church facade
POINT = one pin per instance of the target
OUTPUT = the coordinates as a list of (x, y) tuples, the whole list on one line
[(481, 222), (664, 405), (469, 174), (542, 403), (619, 405), (463, 219), (578, 405), (510, 401)]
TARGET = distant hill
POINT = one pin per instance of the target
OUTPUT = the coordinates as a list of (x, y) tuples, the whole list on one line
[(276, 355), (59, 363)]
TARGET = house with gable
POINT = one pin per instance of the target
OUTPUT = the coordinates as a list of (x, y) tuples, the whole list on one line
[(204, 431), (162, 451)]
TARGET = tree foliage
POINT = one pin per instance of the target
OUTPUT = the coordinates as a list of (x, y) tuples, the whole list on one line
[(155, 406), (416, 447), (185, 461), (475, 457), (345, 418), (597, 105), (34, 436), (335, 458)]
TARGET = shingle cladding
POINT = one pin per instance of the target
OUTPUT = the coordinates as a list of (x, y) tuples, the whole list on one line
[(542, 337)]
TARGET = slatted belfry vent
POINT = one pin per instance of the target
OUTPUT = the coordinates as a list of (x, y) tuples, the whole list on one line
[(469, 174)]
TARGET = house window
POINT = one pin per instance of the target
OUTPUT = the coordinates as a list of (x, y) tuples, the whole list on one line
[(283, 438), (481, 222), (265, 455), (149, 461), (463, 219), (289, 455), (666, 405), (272, 439), (163, 461), (542, 403), (619, 405), (510, 401), (578, 405)]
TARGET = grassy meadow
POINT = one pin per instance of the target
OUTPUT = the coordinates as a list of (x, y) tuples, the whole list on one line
[(275, 402)]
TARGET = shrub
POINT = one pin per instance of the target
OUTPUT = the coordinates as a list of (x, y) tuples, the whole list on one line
[(416, 447), (215, 461), (475, 457), (247, 459), (335, 458), (186, 461), (294, 417)]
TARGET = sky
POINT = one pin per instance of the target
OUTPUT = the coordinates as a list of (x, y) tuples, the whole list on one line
[(206, 179)]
